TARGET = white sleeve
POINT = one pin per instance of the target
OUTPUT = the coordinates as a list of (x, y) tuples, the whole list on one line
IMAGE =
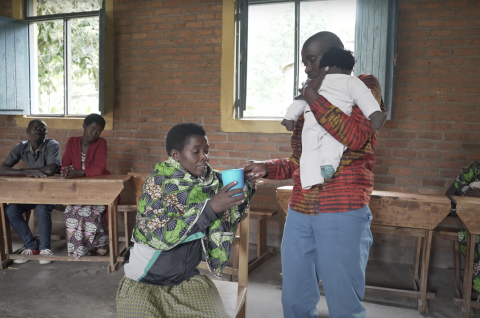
[(363, 97), (295, 109)]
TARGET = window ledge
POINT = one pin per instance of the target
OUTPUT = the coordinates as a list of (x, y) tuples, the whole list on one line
[(251, 125), (62, 122)]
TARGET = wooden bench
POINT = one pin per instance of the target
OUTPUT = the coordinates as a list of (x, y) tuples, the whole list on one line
[(263, 251), (233, 294), (404, 214), (468, 212), (99, 190)]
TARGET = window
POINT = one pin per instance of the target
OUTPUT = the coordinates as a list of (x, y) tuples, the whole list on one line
[(64, 50), (57, 55), (270, 35)]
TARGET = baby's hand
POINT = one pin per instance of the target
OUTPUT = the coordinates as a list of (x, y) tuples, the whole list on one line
[(289, 124), (377, 119)]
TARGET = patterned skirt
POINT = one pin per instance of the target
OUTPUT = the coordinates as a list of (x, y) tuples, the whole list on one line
[(196, 297), (462, 238), (86, 227)]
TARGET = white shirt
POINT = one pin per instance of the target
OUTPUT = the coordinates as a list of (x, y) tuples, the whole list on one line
[(318, 148)]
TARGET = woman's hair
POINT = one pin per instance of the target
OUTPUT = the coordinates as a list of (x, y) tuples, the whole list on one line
[(179, 135), (94, 118), (338, 57)]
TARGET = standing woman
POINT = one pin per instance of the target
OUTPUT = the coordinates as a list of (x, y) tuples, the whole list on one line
[(86, 156)]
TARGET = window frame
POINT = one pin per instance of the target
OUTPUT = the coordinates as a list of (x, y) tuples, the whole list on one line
[(66, 18), (242, 48), (22, 121)]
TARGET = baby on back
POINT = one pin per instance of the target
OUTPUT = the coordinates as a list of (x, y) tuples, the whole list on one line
[(321, 153)]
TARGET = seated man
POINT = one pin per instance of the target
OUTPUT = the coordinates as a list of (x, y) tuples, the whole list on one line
[(42, 158)]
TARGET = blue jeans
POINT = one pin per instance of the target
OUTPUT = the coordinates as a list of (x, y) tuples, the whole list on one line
[(333, 248), (13, 213)]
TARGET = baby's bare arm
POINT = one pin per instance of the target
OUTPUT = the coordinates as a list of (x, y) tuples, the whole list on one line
[(377, 119), (290, 124)]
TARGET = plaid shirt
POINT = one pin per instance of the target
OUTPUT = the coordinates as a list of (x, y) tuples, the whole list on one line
[(48, 152), (352, 184)]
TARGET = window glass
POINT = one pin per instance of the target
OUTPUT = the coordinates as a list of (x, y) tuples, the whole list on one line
[(48, 7), (47, 68), (84, 79), (337, 16), (271, 47)]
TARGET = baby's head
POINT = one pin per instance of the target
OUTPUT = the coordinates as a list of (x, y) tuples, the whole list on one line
[(343, 59)]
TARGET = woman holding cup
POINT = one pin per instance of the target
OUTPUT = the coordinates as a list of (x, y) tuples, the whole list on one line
[(184, 211)]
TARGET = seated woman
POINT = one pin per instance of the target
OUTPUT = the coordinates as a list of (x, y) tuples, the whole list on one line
[(467, 184), (86, 156), (184, 212)]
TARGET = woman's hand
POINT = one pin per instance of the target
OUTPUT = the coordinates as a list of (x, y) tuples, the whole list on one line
[(254, 170), (70, 173), (224, 200)]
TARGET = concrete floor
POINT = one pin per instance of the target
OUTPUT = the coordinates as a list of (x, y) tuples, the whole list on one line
[(77, 289)]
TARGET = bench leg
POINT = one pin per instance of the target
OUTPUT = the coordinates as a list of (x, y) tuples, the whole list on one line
[(467, 279), (416, 261), (3, 257), (261, 237), (242, 313), (427, 244), (236, 251), (111, 235), (456, 257), (127, 225)]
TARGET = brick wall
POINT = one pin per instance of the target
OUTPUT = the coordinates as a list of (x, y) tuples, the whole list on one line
[(6, 8), (167, 70), (435, 128)]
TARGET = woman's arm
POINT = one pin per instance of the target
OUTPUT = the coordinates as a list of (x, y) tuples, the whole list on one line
[(67, 156)]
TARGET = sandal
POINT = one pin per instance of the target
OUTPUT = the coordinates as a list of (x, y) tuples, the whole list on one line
[(102, 251), (92, 251)]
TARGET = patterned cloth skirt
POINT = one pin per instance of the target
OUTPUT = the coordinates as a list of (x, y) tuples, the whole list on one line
[(196, 297), (87, 227)]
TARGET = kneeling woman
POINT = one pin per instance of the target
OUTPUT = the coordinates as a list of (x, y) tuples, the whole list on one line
[(183, 212)]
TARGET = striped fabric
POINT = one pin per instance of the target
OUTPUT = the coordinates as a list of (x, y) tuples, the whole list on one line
[(351, 186)]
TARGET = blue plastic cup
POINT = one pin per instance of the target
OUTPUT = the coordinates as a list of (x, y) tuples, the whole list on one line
[(228, 176)]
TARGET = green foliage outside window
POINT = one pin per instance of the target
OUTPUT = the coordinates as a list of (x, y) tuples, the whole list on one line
[(84, 57)]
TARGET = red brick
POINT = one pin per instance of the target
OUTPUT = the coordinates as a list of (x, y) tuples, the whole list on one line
[(426, 173), (457, 3), (433, 183), (441, 32), (455, 23), (443, 13), (421, 163), (438, 52), (457, 136), (401, 171), (429, 23)]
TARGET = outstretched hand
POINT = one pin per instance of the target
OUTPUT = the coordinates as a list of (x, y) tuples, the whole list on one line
[(225, 199), (254, 170)]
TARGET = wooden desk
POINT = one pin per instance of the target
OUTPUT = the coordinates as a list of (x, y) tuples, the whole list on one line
[(468, 211), (406, 214), (99, 190)]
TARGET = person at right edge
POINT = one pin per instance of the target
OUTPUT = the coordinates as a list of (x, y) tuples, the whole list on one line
[(327, 233)]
